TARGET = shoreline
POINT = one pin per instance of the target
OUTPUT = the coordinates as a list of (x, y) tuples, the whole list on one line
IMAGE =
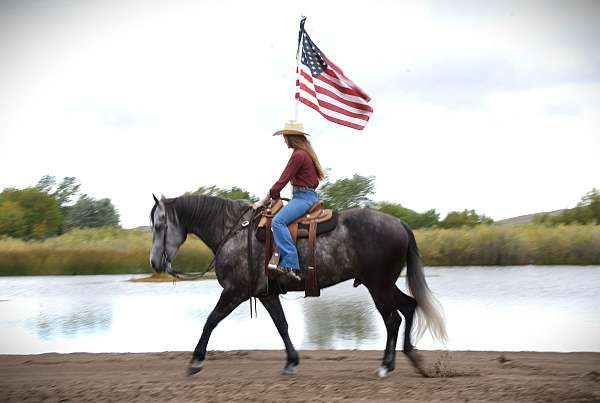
[(324, 375)]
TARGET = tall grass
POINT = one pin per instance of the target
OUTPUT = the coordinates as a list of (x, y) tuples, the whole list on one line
[(117, 251), (93, 251), (503, 245)]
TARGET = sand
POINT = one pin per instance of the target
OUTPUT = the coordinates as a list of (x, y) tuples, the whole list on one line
[(323, 375)]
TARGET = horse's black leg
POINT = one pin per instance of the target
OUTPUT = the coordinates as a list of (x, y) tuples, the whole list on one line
[(384, 301), (407, 306), (273, 306), (228, 301)]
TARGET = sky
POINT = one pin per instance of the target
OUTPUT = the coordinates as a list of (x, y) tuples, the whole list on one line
[(485, 105)]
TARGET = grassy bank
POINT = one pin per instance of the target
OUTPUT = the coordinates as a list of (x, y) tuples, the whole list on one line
[(115, 251), (99, 251), (504, 245)]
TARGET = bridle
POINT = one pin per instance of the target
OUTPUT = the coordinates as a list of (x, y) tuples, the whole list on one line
[(195, 275)]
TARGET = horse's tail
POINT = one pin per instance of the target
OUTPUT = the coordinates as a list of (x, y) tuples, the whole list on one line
[(429, 312)]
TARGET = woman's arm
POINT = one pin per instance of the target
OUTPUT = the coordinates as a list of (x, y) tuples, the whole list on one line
[(292, 167)]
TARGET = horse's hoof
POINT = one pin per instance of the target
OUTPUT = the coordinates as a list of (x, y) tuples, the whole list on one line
[(290, 369), (382, 372), (195, 367)]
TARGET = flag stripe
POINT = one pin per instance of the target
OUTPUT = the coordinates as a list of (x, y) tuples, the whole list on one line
[(328, 85), (324, 88), (321, 88), (325, 109), (329, 112), (343, 77), (326, 101), (323, 103), (332, 119)]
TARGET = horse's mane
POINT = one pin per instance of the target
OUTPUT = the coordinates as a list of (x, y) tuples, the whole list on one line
[(190, 209)]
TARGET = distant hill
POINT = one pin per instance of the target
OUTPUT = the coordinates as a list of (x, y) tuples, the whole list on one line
[(526, 219)]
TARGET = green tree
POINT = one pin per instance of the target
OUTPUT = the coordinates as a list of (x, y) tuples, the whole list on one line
[(234, 193), (40, 213), (88, 212), (347, 193), (416, 220), (12, 219), (465, 218), (587, 211), (63, 192)]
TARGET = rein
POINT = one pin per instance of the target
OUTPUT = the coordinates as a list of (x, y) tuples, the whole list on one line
[(195, 275)]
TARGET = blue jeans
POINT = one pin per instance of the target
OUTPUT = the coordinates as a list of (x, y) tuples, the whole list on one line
[(301, 202)]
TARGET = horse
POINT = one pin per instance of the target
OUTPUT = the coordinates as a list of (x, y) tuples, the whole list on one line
[(366, 245)]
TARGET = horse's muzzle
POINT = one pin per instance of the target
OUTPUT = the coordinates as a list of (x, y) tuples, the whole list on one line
[(159, 265)]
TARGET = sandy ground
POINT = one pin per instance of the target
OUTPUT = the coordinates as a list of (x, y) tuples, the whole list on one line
[(322, 376)]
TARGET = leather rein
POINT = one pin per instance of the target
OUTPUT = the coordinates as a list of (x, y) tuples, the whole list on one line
[(195, 275)]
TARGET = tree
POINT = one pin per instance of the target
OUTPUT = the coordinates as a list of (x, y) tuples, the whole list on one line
[(63, 192), (468, 218), (88, 212), (12, 219), (235, 193), (416, 220), (587, 211), (347, 192), (34, 213)]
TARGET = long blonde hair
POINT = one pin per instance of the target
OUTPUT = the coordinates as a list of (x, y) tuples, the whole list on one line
[(301, 142)]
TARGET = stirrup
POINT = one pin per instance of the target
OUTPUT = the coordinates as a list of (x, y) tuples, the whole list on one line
[(274, 262)]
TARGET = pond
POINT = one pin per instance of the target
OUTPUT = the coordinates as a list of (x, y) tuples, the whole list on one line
[(526, 308)]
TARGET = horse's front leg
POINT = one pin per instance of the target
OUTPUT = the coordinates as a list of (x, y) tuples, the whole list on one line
[(273, 306), (228, 301)]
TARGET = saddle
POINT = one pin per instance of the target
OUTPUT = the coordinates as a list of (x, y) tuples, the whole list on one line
[(316, 221)]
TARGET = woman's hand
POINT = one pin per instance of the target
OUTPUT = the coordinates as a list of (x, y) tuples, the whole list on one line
[(262, 202)]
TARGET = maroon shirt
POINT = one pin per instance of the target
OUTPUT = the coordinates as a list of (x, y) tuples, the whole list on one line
[(300, 170)]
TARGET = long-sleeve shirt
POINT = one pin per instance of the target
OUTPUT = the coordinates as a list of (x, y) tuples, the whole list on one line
[(300, 170)]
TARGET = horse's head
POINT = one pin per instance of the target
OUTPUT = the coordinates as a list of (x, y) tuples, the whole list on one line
[(167, 234)]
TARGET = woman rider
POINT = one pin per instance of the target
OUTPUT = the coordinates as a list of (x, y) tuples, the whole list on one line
[(304, 171)]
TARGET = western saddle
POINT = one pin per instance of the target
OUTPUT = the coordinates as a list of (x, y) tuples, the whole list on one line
[(317, 214)]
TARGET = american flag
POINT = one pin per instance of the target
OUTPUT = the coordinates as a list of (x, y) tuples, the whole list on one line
[(322, 85)]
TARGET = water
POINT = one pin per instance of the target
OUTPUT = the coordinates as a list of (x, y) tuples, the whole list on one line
[(506, 309)]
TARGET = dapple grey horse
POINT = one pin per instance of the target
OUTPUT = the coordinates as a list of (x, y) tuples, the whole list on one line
[(366, 245)]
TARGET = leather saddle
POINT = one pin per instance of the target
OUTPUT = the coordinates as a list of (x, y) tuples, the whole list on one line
[(316, 221), (326, 220)]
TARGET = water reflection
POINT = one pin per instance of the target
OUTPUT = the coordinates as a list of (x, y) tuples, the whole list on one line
[(64, 319), (347, 317), (553, 308)]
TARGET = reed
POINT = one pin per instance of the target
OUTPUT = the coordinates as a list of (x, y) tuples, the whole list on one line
[(93, 251), (505, 245), (118, 251)]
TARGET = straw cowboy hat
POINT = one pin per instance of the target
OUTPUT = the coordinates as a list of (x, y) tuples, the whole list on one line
[(292, 127)]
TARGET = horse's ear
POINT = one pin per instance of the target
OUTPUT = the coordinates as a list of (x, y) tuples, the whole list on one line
[(162, 197), (155, 199)]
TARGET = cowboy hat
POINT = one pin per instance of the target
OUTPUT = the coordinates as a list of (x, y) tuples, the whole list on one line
[(291, 128)]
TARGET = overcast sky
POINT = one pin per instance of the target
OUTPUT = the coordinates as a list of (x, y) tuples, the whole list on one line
[(493, 106)]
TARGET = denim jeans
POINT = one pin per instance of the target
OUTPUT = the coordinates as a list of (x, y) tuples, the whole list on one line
[(300, 203)]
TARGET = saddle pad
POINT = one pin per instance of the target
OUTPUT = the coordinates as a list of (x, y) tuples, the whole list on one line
[(322, 228)]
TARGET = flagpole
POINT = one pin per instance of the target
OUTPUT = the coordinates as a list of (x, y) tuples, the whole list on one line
[(298, 53)]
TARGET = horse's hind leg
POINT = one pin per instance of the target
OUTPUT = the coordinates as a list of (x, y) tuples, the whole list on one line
[(386, 305), (273, 306), (407, 306), (228, 301)]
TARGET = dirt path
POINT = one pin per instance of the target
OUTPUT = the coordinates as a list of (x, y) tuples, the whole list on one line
[(322, 376)]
